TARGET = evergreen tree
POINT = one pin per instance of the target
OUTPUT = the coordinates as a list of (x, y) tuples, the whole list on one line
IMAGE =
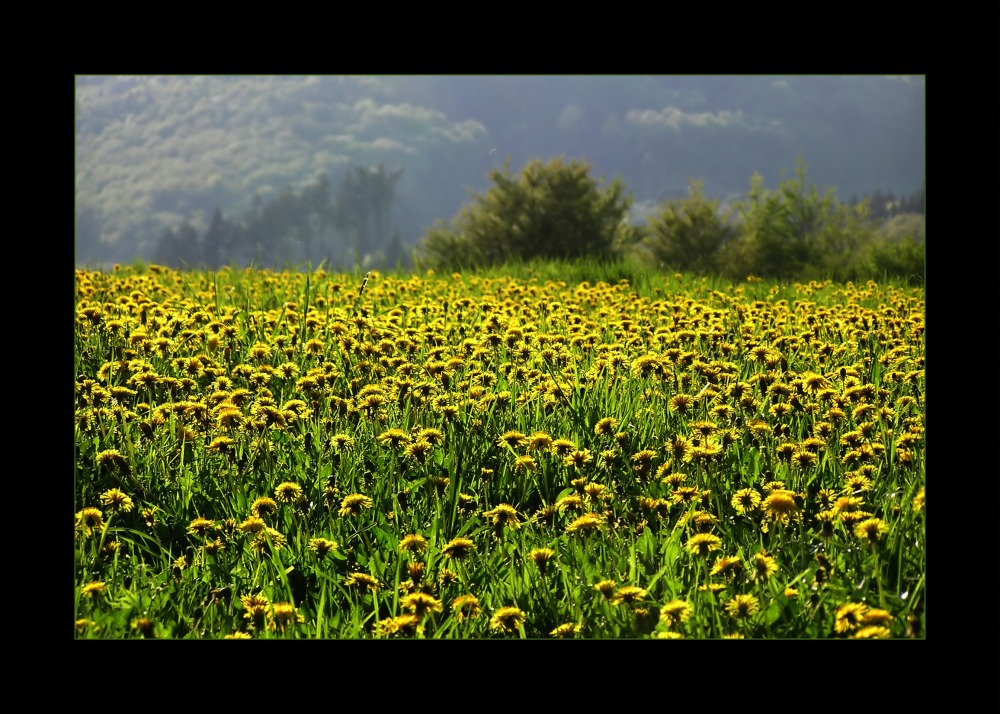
[(218, 241), (178, 247), (364, 201), (316, 203)]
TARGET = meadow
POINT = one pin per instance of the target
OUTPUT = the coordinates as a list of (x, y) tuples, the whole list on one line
[(542, 450)]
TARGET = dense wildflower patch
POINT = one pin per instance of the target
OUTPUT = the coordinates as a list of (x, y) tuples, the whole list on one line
[(280, 455)]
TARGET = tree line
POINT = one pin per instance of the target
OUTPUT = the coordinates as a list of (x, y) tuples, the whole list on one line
[(883, 206), (558, 210), (313, 224), (794, 232)]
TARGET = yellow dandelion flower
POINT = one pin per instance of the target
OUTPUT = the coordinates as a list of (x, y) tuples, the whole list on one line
[(642, 460), (253, 524), (703, 543), (745, 500), (606, 426), (255, 606), (342, 442), (675, 612), (578, 459), (780, 504), (116, 500), (322, 546), (762, 566), (606, 588), (401, 624), (201, 526), (728, 566), (872, 632), (465, 606), (585, 524), (89, 520), (743, 606), (413, 543), (145, 626), (567, 629), (282, 615), (504, 515), (628, 594), (288, 492), (849, 616), (363, 581), (525, 463), (541, 558), (394, 437), (420, 604), (513, 439), (432, 435), (264, 506), (562, 447), (447, 577), (877, 616), (92, 588), (111, 457), (222, 444), (354, 503), (871, 530), (539, 441), (418, 450), (268, 540), (570, 502), (507, 619), (458, 548)]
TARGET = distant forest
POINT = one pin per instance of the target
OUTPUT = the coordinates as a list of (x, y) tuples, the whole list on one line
[(348, 225), (163, 161), (344, 227)]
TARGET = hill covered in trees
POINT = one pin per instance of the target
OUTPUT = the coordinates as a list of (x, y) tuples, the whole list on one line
[(368, 164)]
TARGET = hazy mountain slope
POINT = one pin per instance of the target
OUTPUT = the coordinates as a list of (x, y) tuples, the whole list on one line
[(152, 151)]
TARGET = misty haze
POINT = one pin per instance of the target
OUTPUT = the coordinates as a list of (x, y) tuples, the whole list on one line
[(162, 156)]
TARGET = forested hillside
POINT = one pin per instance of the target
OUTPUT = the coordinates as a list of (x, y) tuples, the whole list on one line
[(177, 155)]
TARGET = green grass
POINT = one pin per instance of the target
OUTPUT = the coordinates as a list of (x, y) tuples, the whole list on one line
[(198, 395)]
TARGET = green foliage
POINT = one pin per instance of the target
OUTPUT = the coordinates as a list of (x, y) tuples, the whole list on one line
[(794, 232), (552, 210), (903, 225), (899, 258), (687, 234), (639, 275), (897, 249)]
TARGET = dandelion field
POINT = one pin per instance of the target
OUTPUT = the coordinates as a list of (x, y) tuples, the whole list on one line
[(508, 454)]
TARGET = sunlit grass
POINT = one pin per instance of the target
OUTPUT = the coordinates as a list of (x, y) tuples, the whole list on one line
[(508, 454)]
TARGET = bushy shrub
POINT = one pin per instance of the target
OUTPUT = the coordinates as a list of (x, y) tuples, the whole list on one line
[(687, 234), (901, 258), (794, 232), (553, 210)]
